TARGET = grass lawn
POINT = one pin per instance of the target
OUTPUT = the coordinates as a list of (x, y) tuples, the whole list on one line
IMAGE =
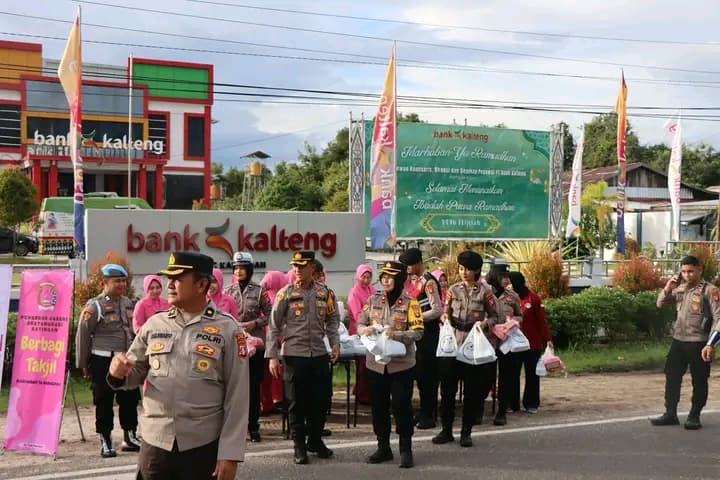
[(594, 359)]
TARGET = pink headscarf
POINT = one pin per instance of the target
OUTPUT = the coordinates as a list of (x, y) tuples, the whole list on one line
[(358, 296), (273, 281), (148, 306), (290, 276), (437, 273), (223, 301)]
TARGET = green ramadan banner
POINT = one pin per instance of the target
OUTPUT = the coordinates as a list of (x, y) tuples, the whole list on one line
[(469, 182)]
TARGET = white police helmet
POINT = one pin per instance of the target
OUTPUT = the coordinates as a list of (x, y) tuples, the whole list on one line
[(240, 258)]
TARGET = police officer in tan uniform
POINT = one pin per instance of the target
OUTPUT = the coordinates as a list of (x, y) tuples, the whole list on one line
[(466, 307), (105, 327), (254, 309), (426, 290), (698, 309), (508, 308), (193, 359), (303, 313), (391, 383)]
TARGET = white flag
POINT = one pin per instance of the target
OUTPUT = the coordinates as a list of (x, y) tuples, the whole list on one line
[(672, 127), (575, 194)]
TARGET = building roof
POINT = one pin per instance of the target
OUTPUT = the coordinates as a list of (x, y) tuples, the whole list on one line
[(593, 175)]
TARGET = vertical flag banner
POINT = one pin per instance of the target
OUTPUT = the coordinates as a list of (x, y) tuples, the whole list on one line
[(38, 374), (672, 127), (621, 110), (382, 165), (70, 74), (575, 194), (5, 280)]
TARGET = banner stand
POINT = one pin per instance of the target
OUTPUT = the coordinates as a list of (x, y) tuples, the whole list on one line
[(68, 386)]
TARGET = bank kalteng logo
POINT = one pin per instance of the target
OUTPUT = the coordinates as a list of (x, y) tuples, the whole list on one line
[(276, 239)]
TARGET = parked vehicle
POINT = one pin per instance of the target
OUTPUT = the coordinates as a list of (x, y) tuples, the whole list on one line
[(17, 243)]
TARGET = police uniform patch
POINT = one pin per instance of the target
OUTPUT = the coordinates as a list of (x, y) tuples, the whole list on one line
[(86, 314), (112, 318), (416, 310), (415, 320), (211, 330), (331, 303), (155, 364), (204, 349), (157, 346), (366, 307), (430, 287), (241, 344), (203, 365), (280, 295), (265, 296)]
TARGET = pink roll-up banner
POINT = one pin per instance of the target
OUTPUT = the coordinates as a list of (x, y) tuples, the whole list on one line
[(38, 376)]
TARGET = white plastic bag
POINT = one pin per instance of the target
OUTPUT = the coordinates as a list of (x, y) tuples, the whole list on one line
[(447, 344), (551, 361), (391, 348), (476, 349), (515, 342), (352, 346), (540, 370)]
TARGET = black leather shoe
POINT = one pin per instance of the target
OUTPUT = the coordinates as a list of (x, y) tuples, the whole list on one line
[(500, 420), (465, 440), (425, 424), (445, 436), (326, 432), (301, 457), (406, 459), (693, 422), (665, 419), (255, 437), (382, 454), (320, 449)]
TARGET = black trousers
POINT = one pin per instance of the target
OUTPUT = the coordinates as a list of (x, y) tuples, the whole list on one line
[(257, 372), (195, 464), (306, 382), (104, 397), (531, 397), (426, 370), (681, 355), (476, 379), (508, 371), (391, 392)]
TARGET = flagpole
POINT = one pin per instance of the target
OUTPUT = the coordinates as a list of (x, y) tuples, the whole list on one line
[(393, 228), (129, 141)]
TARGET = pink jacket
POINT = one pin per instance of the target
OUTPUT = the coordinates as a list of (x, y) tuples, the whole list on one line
[(358, 297), (148, 306), (223, 301), (437, 273)]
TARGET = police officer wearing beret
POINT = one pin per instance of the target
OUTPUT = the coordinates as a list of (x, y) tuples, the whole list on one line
[(105, 327), (426, 290), (254, 309), (508, 307), (698, 312), (467, 305), (391, 383), (303, 313), (193, 360)]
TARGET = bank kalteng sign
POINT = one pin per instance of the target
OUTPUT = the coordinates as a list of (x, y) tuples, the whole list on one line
[(471, 182), (147, 237)]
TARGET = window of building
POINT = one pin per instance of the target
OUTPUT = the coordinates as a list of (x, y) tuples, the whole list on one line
[(10, 136), (159, 131), (194, 137)]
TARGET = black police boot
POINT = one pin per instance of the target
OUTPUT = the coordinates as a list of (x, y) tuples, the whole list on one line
[(106, 450), (693, 421), (382, 454), (301, 456), (406, 456), (255, 436), (465, 438), (500, 419), (326, 432), (667, 418), (130, 442), (319, 448), (445, 436), (425, 423)]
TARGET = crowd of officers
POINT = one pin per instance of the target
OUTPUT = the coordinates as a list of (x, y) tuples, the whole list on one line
[(200, 384)]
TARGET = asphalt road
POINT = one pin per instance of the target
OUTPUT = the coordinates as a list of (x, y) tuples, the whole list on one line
[(609, 448)]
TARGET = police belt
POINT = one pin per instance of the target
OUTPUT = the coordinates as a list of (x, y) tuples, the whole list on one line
[(463, 327), (102, 353)]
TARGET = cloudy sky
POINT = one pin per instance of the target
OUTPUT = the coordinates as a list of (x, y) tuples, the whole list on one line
[(481, 51)]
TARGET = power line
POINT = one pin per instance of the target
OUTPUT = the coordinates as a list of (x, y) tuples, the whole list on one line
[(387, 39), (460, 27)]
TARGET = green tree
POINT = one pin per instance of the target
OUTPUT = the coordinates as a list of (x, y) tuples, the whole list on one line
[(289, 189), (597, 230), (335, 188), (601, 143), (17, 197)]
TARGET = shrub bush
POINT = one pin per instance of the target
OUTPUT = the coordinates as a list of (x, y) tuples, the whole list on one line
[(608, 314), (545, 276), (638, 274), (706, 254)]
